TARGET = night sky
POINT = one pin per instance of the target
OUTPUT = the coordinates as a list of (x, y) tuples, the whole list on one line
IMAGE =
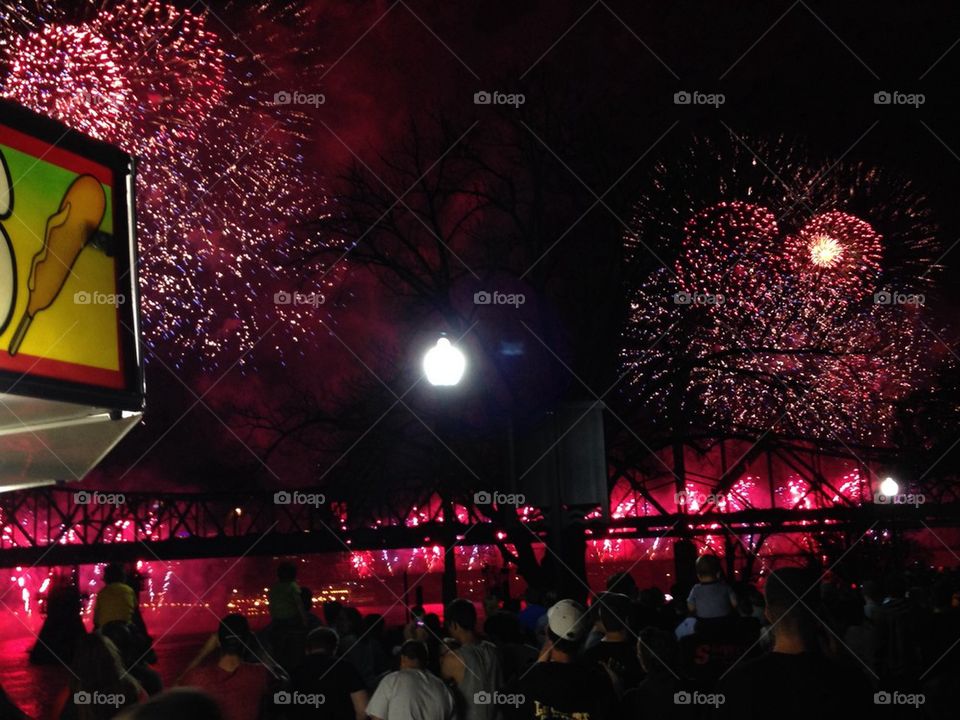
[(599, 81)]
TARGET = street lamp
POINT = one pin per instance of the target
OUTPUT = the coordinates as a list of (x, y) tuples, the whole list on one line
[(444, 364), (889, 488)]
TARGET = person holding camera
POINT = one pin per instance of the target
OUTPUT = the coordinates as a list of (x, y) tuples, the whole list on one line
[(241, 689), (560, 685)]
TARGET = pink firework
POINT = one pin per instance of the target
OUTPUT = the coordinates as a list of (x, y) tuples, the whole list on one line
[(727, 245), (838, 250)]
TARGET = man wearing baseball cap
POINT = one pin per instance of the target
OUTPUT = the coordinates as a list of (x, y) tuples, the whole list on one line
[(558, 686)]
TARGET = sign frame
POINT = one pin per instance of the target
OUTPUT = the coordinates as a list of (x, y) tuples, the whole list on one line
[(122, 168)]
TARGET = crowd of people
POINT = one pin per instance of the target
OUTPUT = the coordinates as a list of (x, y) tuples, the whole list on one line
[(807, 644)]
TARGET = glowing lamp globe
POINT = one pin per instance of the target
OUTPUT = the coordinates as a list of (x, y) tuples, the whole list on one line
[(889, 487), (444, 364)]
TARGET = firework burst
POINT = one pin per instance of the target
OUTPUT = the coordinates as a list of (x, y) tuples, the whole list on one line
[(768, 319)]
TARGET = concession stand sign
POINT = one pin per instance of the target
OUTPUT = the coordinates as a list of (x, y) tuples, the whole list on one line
[(71, 375)]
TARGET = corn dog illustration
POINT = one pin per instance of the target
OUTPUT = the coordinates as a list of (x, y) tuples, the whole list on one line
[(68, 231)]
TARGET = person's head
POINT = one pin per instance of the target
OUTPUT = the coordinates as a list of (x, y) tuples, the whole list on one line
[(118, 632), (460, 617), (286, 572), (113, 573), (97, 667), (331, 611), (623, 583), (652, 598), (791, 594), (413, 655), (234, 634), (306, 597), (180, 703), (372, 625), (657, 650), (502, 628), (431, 621), (708, 568), (614, 612), (567, 623), (349, 620), (323, 641)]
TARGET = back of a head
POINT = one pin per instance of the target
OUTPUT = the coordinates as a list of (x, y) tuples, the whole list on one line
[(503, 627), (331, 611), (113, 573), (286, 572), (652, 597), (415, 652), (791, 594), (119, 633), (567, 623), (708, 566), (179, 703), (97, 664), (371, 626), (323, 640), (233, 633), (462, 612), (614, 611), (349, 621), (623, 583)]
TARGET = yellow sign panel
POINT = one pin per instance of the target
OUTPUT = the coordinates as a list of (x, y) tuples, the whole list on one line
[(66, 291)]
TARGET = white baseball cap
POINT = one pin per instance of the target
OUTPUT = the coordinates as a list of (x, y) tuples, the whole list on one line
[(565, 620)]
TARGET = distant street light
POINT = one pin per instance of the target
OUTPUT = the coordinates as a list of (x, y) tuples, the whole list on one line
[(444, 364), (889, 488)]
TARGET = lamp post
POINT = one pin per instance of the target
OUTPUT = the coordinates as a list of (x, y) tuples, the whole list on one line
[(887, 492), (444, 365)]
